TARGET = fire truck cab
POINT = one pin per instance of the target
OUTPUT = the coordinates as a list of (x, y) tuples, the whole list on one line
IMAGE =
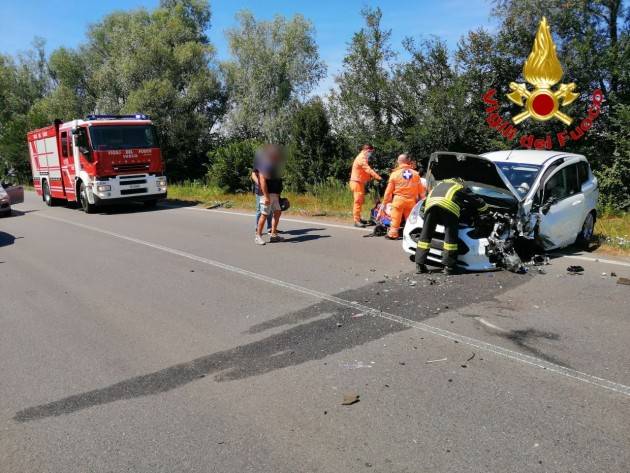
[(103, 159)]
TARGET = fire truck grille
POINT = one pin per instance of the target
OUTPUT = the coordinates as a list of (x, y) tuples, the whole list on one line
[(131, 167), (141, 190)]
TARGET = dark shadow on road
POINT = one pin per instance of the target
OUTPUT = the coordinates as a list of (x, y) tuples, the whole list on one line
[(19, 213), (303, 234), (315, 332), (6, 239)]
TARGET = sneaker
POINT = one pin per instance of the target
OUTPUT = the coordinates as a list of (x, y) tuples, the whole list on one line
[(421, 269), (258, 240), (275, 238)]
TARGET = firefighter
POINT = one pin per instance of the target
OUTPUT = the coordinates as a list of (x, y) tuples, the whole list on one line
[(362, 173), (443, 207), (404, 189)]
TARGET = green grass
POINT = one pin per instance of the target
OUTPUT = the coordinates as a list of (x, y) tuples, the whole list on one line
[(613, 232), (334, 199), (330, 199)]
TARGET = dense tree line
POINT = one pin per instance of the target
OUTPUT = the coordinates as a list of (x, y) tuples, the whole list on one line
[(212, 115)]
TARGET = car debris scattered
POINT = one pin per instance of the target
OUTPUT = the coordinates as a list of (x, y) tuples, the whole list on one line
[(624, 281), (350, 398), (471, 357), (436, 361), (575, 269)]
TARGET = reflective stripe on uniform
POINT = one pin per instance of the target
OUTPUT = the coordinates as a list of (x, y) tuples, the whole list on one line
[(450, 246), (424, 245), (444, 203)]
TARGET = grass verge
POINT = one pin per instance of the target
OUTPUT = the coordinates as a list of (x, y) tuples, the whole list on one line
[(333, 199)]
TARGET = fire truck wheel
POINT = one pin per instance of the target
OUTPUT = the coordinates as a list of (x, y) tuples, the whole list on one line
[(48, 200), (85, 203)]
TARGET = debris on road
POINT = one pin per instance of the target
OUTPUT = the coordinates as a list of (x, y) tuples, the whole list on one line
[(217, 204), (350, 398), (575, 269), (356, 316), (625, 281), (613, 274), (471, 357), (436, 361)]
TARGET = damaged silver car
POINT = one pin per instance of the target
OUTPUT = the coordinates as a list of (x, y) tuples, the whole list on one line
[(547, 198)]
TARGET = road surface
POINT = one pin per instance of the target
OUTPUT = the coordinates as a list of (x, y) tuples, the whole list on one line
[(166, 341)]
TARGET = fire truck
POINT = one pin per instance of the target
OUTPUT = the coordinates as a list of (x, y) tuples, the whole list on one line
[(103, 159)]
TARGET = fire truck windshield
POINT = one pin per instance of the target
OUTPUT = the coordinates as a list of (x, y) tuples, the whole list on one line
[(123, 137)]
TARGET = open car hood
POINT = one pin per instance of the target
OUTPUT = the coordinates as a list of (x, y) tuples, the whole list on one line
[(469, 167)]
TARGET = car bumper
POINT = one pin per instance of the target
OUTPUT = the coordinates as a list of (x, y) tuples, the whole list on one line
[(472, 255), (135, 198)]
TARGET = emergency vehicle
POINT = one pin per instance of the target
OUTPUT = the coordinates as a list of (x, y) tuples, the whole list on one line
[(102, 159)]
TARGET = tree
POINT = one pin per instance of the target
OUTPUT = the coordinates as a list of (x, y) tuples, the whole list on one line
[(275, 66), (22, 82), (314, 153), (362, 106)]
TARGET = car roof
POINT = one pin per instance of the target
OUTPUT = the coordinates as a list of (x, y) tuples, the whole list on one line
[(528, 156)]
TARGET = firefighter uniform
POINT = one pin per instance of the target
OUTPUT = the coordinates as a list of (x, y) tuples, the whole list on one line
[(404, 189), (443, 207), (360, 176)]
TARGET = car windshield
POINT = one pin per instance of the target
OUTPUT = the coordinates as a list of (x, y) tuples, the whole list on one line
[(490, 192), (123, 137), (521, 176)]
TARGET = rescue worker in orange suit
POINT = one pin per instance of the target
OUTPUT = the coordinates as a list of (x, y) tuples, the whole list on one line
[(361, 174), (443, 207), (404, 189)]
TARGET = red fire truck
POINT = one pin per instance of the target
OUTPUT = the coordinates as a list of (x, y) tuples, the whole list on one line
[(100, 160)]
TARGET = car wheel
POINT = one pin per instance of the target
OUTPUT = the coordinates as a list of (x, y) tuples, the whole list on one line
[(588, 230), (85, 203), (48, 200)]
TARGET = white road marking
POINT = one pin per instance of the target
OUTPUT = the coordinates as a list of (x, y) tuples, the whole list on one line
[(597, 260), (349, 227), (284, 219), (472, 342)]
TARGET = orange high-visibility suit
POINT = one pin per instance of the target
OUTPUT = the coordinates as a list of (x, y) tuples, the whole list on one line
[(360, 176), (404, 189)]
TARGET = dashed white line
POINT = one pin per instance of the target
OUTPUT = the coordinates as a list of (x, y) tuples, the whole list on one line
[(286, 219), (348, 227), (480, 345)]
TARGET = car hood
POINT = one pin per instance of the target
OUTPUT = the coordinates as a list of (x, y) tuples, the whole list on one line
[(469, 167)]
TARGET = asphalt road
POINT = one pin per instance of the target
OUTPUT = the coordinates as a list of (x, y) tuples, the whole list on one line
[(166, 341)]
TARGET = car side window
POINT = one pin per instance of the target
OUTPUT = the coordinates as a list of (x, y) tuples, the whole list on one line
[(583, 172), (563, 184), (64, 144)]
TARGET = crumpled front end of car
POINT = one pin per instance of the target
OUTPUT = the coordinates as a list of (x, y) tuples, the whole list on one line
[(472, 243)]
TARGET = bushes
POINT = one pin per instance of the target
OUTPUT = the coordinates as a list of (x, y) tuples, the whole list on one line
[(230, 165)]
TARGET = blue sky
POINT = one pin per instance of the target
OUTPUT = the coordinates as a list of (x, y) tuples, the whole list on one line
[(65, 23)]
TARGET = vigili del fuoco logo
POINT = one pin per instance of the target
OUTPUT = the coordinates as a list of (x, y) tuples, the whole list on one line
[(544, 100)]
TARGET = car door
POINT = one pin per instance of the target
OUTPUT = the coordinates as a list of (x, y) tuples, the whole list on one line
[(562, 209), (16, 193)]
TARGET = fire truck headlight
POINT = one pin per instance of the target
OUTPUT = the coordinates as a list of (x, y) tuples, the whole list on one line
[(161, 181), (103, 188)]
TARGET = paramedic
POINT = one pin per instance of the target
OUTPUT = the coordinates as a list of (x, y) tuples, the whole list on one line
[(362, 173), (404, 189), (443, 207)]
